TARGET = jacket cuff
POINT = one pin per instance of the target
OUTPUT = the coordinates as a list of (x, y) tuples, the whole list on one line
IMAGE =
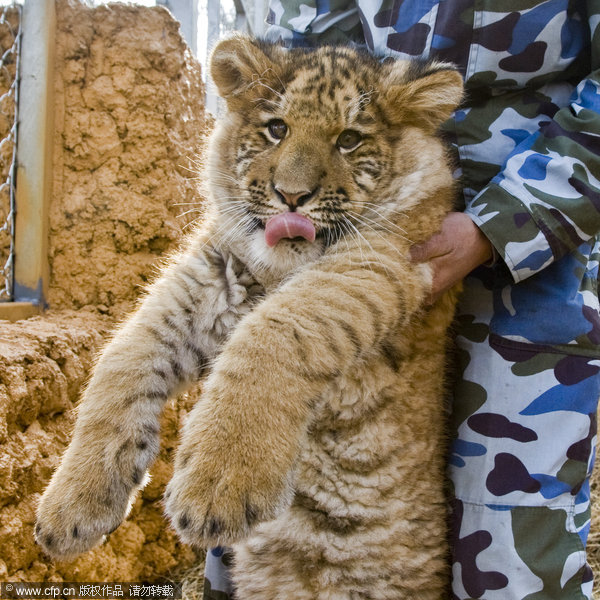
[(515, 233)]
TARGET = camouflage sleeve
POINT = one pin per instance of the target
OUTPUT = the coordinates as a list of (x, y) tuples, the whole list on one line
[(309, 22), (545, 202)]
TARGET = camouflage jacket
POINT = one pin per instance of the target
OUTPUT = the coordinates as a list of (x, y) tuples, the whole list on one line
[(527, 139)]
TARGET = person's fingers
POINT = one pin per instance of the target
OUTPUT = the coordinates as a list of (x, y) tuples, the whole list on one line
[(442, 278), (419, 253), (452, 253), (434, 246)]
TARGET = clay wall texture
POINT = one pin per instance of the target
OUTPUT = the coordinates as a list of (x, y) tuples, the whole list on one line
[(129, 127), (129, 122)]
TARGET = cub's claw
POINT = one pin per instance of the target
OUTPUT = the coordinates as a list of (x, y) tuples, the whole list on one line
[(72, 518), (215, 500), (91, 492)]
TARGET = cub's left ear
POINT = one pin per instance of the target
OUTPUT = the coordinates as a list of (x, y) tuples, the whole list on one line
[(244, 69), (421, 94)]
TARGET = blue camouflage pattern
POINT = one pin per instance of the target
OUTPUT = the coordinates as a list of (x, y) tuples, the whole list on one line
[(526, 144)]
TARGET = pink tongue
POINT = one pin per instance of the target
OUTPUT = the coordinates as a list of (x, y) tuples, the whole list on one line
[(288, 225)]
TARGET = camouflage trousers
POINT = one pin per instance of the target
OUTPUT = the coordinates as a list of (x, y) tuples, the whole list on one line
[(217, 582), (524, 418)]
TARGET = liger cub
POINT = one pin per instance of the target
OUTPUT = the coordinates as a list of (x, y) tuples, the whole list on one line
[(318, 445)]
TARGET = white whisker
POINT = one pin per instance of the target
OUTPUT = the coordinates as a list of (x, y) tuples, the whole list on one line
[(375, 225), (375, 208)]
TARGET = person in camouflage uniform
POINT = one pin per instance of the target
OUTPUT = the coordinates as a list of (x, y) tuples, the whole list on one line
[(527, 142)]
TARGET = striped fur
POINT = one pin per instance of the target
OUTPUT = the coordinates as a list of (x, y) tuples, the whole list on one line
[(319, 440)]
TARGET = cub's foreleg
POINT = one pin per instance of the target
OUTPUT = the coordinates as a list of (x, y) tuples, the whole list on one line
[(234, 464), (165, 345)]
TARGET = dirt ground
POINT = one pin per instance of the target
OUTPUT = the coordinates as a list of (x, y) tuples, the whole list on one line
[(41, 377)]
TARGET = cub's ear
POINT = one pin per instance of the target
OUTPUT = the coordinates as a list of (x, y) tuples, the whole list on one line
[(242, 71), (423, 94)]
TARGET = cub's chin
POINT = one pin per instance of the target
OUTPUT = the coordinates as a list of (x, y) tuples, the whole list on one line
[(286, 256)]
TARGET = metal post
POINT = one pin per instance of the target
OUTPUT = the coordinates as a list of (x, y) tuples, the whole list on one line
[(34, 155), (213, 13)]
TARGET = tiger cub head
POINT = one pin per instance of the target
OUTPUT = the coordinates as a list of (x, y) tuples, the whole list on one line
[(319, 144)]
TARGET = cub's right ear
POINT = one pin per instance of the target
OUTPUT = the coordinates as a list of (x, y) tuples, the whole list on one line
[(421, 93), (242, 71)]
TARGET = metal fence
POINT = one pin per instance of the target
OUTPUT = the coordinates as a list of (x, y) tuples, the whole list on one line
[(10, 41)]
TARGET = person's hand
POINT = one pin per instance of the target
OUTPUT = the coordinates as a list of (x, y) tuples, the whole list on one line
[(453, 252)]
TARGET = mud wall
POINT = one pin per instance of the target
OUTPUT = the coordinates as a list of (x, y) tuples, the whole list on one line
[(129, 122), (129, 126), (43, 364)]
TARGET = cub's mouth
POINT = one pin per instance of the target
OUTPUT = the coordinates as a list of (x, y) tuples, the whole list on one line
[(290, 226)]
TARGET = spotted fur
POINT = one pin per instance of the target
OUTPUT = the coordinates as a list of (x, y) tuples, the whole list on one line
[(318, 443)]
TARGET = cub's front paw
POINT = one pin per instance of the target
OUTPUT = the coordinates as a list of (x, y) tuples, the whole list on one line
[(75, 513), (217, 495), (90, 493), (75, 516), (83, 503)]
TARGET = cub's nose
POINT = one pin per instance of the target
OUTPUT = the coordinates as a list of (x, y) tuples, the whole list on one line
[(293, 199)]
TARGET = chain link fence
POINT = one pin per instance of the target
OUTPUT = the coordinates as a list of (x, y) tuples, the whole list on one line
[(10, 41)]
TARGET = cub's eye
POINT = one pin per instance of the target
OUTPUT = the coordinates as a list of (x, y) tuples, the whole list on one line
[(349, 139), (277, 129)]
